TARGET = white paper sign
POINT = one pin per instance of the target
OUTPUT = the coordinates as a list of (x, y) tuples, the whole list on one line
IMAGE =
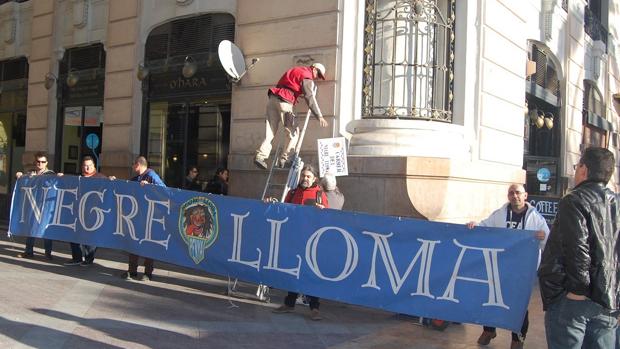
[(73, 116), (333, 156)]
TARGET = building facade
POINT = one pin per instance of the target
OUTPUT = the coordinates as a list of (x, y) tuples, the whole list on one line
[(443, 103)]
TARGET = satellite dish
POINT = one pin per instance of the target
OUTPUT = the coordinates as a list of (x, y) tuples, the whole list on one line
[(232, 60)]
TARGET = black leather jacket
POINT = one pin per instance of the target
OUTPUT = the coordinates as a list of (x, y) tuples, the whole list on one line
[(581, 255)]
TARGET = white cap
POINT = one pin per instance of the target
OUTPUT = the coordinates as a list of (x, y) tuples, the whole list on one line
[(320, 69)]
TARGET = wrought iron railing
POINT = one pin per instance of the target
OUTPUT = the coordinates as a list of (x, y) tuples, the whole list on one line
[(593, 26), (409, 59)]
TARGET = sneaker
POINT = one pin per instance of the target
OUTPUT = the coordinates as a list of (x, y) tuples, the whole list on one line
[(283, 309), (282, 163), (485, 337), (71, 263), (315, 315), (149, 276), (260, 163), (25, 255), (86, 263), (516, 344)]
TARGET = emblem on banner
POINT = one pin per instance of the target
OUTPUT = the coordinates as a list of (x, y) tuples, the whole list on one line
[(198, 226)]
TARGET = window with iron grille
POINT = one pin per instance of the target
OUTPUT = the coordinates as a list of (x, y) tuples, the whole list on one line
[(596, 128), (199, 37), (83, 58), (545, 75), (409, 59), (595, 20), (14, 69)]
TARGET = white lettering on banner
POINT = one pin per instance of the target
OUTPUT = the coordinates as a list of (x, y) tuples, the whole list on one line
[(274, 250), (60, 196), (148, 234), (425, 252), (91, 215), (98, 211), (493, 279), (350, 262), (237, 239), (35, 209), (120, 217)]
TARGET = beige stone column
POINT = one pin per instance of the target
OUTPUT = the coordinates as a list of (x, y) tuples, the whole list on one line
[(120, 84), (38, 96)]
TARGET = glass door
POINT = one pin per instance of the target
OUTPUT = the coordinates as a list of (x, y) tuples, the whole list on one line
[(81, 136), (188, 133), (12, 142)]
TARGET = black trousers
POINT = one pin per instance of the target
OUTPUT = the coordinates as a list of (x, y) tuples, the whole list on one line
[(515, 336), (291, 298), (76, 252), (133, 264)]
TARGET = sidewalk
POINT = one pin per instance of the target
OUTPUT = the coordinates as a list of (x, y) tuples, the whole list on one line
[(45, 304)]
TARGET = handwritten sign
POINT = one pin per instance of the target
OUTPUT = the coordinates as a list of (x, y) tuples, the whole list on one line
[(333, 156)]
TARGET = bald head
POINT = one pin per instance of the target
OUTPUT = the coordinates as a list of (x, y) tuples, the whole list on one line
[(517, 196)]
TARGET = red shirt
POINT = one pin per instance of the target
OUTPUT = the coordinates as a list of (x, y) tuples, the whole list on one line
[(289, 87), (306, 196)]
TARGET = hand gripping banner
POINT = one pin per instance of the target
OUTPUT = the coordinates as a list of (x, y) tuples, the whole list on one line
[(436, 270)]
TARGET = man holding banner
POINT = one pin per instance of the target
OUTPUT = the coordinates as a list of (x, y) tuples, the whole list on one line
[(517, 213), (40, 164), (309, 193), (144, 175), (82, 254), (579, 275)]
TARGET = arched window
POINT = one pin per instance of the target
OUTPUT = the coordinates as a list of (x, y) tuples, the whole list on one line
[(595, 127), (409, 59), (542, 126), (187, 110)]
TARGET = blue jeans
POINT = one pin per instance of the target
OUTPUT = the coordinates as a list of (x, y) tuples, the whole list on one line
[(47, 243), (574, 324)]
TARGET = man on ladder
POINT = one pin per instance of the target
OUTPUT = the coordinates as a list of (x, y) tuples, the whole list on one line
[(295, 82)]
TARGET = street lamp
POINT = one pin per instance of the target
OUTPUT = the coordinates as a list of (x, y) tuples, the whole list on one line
[(189, 67), (50, 79), (72, 79), (143, 72)]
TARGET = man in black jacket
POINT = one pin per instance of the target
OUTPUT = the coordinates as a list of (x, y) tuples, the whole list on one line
[(579, 271), (40, 169)]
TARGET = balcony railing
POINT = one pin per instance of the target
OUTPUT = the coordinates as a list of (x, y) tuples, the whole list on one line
[(594, 28)]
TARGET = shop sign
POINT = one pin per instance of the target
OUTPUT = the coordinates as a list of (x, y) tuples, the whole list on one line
[(546, 206)]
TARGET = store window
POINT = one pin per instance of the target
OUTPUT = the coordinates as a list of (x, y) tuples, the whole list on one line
[(542, 125), (187, 97), (409, 59), (13, 102), (80, 108)]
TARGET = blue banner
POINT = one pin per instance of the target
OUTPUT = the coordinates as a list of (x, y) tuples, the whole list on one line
[(436, 270)]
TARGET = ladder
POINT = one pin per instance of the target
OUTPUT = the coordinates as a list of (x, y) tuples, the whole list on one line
[(262, 291), (295, 169)]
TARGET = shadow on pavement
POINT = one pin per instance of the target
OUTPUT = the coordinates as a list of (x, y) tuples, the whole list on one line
[(39, 336)]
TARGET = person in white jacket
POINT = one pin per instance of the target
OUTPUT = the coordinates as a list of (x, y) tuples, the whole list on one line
[(517, 213)]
